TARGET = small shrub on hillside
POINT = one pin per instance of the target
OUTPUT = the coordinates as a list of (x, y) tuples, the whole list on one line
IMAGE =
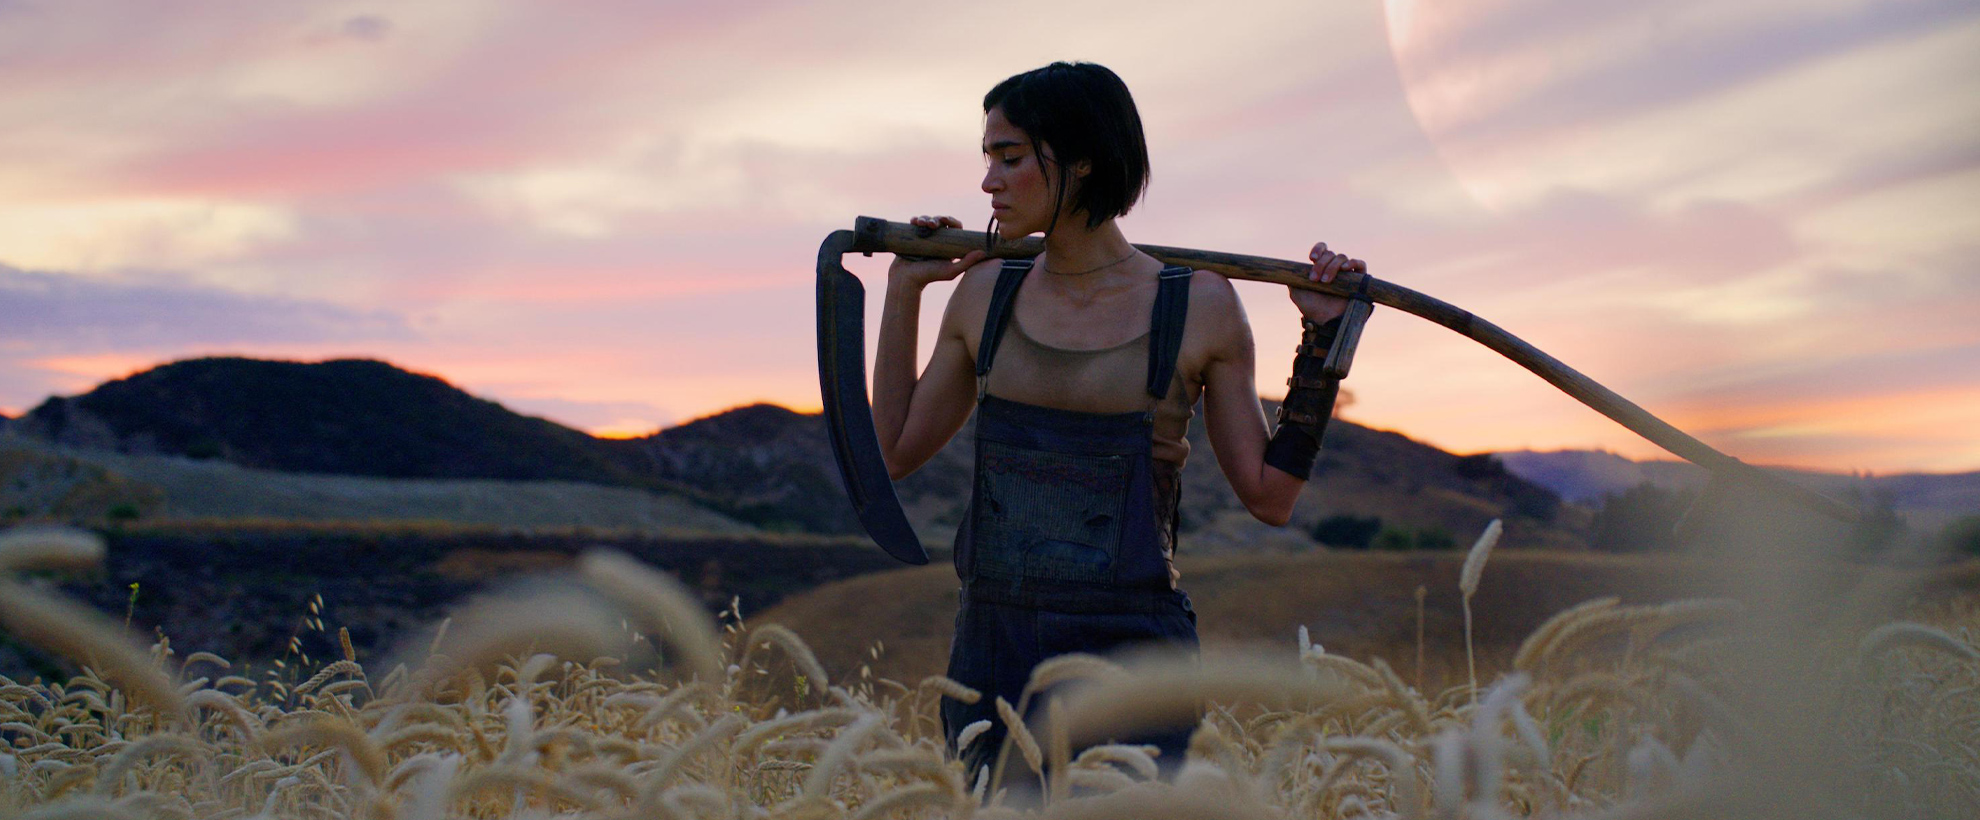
[(1423, 538), (1353, 532), (1523, 498), (1642, 518), (1480, 466), (1962, 536), (1878, 528)]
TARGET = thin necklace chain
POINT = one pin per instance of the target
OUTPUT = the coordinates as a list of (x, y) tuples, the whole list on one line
[(1048, 266)]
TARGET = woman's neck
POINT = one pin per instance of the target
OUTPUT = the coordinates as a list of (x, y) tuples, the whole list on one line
[(1087, 260)]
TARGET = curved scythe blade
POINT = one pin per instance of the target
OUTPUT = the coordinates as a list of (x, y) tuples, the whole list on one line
[(848, 412)]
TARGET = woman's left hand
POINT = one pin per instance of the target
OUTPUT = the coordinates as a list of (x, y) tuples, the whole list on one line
[(1319, 307)]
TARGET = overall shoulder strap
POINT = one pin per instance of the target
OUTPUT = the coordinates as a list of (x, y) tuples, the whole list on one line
[(1166, 329), (999, 315)]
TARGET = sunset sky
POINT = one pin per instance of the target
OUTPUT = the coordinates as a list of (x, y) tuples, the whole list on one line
[(1758, 219)]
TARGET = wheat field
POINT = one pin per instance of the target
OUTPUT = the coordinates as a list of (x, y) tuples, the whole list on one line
[(609, 693)]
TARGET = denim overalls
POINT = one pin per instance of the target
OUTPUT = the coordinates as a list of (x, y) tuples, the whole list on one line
[(1060, 550)]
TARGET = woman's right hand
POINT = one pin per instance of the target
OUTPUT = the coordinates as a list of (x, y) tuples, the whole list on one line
[(1320, 307), (921, 271)]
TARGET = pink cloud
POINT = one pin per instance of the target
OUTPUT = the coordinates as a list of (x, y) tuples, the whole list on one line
[(681, 306)]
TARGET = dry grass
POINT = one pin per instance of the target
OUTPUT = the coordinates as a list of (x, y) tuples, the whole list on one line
[(1627, 711), (81, 484), (1356, 604)]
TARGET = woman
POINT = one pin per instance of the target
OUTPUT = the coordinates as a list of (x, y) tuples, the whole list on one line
[(1099, 354)]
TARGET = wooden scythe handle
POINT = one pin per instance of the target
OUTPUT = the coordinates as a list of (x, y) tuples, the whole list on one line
[(878, 235)]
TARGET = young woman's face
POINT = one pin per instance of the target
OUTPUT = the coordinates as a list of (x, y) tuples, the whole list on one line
[(1021, 196)]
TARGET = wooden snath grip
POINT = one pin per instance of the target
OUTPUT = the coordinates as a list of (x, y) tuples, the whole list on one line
[(1340, 355)]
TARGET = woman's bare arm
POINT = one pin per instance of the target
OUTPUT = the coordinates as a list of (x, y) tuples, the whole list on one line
[(1231, 413), (1237, 426), (913, 416)]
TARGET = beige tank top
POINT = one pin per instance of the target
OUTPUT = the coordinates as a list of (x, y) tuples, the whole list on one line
[(1106, 380)]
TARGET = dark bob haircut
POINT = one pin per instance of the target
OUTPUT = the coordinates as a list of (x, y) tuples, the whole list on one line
[(1082, 112)]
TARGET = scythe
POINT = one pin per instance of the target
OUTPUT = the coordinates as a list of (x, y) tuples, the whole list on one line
[(849, 415)]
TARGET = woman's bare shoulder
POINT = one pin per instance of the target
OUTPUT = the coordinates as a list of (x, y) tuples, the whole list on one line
[(972, 295), (976, 284), (1211, 295), (1217, 325)]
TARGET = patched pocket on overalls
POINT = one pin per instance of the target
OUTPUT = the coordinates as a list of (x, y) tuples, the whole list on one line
[(1049, 516)]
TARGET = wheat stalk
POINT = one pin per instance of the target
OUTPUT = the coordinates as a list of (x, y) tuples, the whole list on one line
[(1211, 800), (329, 671), (1069, 667), (665, 707), (46, 548), (970, 733), (1141, 759), (368, 757), (225, 704), (560, 620), (1474, 561), (1018, 733), (1468, 577), (1535, 647), (951, 689), (516, 780), (113, 774), (1058, 749), (920, 794), (750, 738), (658, 778), (1103, 780), (419, 733), (1351, 671), (1170, 694), (87, 637), (603, 777), (840, 752), (794, 647), (1905, 633), (1407, 699), (660, 605), (1401, 765), (89, 808), (1422, 592)]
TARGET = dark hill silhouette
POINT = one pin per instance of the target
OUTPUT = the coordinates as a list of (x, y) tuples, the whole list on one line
[(761, 464), (346, 416), (773, 467)]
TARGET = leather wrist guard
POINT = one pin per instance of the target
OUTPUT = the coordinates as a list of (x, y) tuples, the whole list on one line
[(1310, 395)]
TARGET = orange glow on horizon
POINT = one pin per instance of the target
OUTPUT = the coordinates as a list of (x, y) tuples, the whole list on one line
[(618, 433), (86, 372), (1829, 433)]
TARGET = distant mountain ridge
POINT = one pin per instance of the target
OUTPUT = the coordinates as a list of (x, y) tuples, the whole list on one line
[(1927, 500), (763, 465), (1582, 476)]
